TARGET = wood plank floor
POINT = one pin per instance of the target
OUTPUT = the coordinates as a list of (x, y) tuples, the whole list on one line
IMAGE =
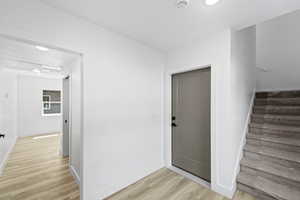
[(36, 171), (168, 185)]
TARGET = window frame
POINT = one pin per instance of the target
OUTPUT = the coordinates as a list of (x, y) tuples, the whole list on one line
[(51, 102)]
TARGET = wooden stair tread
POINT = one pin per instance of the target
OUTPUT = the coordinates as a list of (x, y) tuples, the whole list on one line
[(278, 101), (270, 168), (293, 120), (276, 107), (275, 189), (259, 195), (281, 127), (276, 168), (278, 94), (294, 141), (272, 152), (274, 116)]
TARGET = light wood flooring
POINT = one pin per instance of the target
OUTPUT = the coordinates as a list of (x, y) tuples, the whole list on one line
[(168, 185), (36, 171)]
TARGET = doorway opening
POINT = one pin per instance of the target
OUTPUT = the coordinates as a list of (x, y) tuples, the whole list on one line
[(191, 122), (41, 119)]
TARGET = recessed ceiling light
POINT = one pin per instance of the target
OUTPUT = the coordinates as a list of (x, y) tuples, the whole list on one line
[(211, 2), (36, 70), (51, 67), (41, 48), (46, 70)]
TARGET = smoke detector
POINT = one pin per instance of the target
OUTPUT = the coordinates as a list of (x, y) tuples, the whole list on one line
[(182, 3)]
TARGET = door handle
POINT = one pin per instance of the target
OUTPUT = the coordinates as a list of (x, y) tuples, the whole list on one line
[(66, 121), (174, 125)]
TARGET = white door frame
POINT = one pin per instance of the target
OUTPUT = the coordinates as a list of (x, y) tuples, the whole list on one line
[(81, 55), (168, 129)]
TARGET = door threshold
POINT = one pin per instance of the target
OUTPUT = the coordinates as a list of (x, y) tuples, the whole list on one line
[(196, 179)]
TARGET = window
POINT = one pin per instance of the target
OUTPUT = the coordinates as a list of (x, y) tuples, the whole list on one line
[(51, 102)]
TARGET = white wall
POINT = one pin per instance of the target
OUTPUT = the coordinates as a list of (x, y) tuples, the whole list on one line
[(8, 114), (30, 119), (278, 47), (122, 93), (213, 51), (242, 90), (231, 56)]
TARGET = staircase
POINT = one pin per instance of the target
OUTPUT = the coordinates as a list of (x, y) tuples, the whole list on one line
[(270, 168)]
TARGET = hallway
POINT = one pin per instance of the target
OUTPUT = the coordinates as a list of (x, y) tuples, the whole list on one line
[(35, 170)]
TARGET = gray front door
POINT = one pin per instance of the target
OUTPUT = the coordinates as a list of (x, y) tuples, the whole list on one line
[(191, 122)]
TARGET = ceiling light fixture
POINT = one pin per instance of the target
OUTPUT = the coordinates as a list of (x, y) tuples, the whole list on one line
[(182, 3), (46, 70), (211, 2), (36, 70), (41, 48), (51, 68)]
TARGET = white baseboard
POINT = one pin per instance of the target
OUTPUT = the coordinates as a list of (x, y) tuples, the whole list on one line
[(6, 156), (74, 174), (225, 191)]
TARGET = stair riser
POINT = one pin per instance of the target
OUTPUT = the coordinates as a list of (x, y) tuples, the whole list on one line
[(288, 156), (275, 120), (270, 169), (269, 176), (282, 94), (277, 102), (277, 111), (275, 132), (258, 194), (274, 145), (286, 163), (281, 168)]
